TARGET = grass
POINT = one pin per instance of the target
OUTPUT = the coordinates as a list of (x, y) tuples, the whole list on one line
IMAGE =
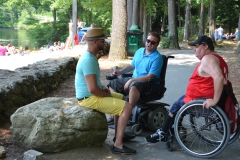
[(227, 44)]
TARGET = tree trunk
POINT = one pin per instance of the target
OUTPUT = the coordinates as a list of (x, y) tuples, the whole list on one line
[(201, 29), (172, 33), (141, 12), (74, 20), (70, 12), (145, 22), (179, 15), (163, 24), (238, 50), (212, 20), (186, 25), (135, 12), (119, 30), (238, 38), (129, 13), (54, 12)]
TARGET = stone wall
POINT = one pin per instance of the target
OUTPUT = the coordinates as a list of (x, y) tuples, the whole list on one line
[(28, 84)]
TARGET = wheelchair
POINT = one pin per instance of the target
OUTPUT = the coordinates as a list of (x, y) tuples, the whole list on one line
[(149, 113), (201, 132)]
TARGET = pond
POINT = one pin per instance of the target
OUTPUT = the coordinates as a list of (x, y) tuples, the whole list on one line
[(17, 38)]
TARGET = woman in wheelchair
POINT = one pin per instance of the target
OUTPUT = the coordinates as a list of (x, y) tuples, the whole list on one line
[(207, 80)]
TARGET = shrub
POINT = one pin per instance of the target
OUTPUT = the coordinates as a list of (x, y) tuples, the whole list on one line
[(165, 42), (49, 32)]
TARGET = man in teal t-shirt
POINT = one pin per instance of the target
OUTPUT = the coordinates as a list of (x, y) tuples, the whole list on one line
[(91, 94)]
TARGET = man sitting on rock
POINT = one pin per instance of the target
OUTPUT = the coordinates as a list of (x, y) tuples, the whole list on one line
[(91, 94)]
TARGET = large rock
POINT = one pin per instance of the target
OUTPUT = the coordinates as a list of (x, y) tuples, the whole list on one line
[(58, 124)]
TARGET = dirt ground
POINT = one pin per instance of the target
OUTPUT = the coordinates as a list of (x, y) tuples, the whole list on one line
[(66, 89)]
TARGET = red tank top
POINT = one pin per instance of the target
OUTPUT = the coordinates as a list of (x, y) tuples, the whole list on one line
[(202, 87)]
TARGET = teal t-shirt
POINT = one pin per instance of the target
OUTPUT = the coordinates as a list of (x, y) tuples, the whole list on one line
[(87, 64)]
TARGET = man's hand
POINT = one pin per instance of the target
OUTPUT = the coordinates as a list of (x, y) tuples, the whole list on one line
[(105, 89), (116, 72), (127, 84), (209, 103)]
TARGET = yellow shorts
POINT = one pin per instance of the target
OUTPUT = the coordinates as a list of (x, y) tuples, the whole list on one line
[(110, 105)]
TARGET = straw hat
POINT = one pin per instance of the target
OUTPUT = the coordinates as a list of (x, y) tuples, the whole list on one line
[(95, 33)]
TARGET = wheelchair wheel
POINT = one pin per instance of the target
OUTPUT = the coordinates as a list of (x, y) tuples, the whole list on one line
[(235, 135), (202, 137), (156, 118), (135, 130)]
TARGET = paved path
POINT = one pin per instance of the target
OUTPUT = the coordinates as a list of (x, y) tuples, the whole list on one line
[(178, 72)]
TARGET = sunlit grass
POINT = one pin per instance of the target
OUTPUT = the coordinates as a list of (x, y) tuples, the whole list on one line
[(226, 44)]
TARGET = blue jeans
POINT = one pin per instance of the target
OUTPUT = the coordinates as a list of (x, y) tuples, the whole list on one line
[(177, 105)]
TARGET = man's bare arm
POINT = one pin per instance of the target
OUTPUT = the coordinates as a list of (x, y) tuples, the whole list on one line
[(210, 65), (93, 87), (126, 69)]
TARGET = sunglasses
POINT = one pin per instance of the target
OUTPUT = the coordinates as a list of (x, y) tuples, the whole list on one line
[(152, 42)]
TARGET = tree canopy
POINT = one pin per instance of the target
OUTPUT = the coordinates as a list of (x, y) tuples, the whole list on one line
[(28, 14)]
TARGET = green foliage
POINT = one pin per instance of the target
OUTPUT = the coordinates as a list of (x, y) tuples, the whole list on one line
[(51, 32), (5, 17), (150, 5), (101, 6), (180, 33), (162, 5), (165, 42), (26, 19), (97, 12)]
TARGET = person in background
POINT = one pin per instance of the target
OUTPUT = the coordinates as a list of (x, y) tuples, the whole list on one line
[(59, 45), (83, 38), (10, 50), (220, 33), (91, 94), (76, 37), (81, 33), (227, 36), (20, 51), (26, 50), (54, 47), (216, 34), (236, 34), (2, 50), (49, 44)]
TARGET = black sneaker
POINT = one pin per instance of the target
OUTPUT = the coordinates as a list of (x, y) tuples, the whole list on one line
[(110, 120), (159, 135)]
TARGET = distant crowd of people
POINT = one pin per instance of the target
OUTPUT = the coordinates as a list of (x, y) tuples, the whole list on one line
[(219, 34), (9, 50), (56, 46)]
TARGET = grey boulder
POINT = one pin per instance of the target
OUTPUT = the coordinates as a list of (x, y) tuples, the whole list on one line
[(58, 124)]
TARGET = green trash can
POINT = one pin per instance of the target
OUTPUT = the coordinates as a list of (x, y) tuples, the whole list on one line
[(134, 40)]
